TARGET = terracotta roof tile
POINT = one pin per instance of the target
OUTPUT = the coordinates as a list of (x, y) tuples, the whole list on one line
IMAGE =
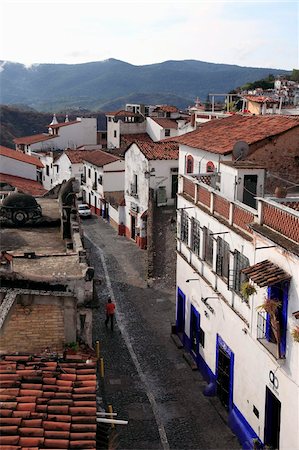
[(34, 139), (220, 136), (20, 156), (77, 156), (159, 150), (261, 99), (122, 113), (165, 122), (37, 416), (265, 273), (100, 158), (23, 184), (166, 108)]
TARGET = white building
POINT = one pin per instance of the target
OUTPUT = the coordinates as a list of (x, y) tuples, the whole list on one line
[(103, 185), (123, 122), (148, 166), (70, 164), (69, 134), (226, 246), (16, 163)]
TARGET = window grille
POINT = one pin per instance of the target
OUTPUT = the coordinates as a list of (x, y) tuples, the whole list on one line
[(208, 247), (222, 265), (195, 236), (240, 262), (184, 228)]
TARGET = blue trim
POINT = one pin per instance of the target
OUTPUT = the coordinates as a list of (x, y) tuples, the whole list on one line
[(284, 317), (181, 294), (242, 429), (197, 318), (220, 343)]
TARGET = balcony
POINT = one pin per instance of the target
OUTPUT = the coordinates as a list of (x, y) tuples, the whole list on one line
[(268, 334), (133, 191)]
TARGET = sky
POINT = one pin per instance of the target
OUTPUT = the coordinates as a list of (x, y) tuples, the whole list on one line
[(247, 33)]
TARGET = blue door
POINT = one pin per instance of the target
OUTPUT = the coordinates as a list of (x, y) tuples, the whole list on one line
[(180, 314), (194, 332)]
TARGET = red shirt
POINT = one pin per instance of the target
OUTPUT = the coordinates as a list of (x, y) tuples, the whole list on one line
[(110, 308)]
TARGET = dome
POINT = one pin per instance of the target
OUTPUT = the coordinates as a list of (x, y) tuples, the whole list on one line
[(19, 200)]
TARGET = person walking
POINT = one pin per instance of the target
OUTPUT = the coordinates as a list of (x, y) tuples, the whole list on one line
[(110, 310)]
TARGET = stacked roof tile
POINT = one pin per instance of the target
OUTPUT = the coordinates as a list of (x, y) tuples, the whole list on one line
[(100, 158), (34, 138), (47, 403), (159, 150), (266, 273)]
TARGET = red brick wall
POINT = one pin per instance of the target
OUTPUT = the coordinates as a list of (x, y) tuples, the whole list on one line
[(280, 155), (203, 196), (33, 328), (281, 221), (242, 218), (188, 188), (221, 206)]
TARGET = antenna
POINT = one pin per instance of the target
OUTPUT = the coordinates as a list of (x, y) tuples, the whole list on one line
[(240, 150)]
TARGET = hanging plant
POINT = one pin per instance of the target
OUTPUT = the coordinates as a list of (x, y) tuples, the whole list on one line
[(270, 305), (295, 333), (247, 289)]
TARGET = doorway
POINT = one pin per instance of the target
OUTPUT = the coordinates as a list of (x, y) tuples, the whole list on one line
[(133, 227), (194, 331), (223, 381), (180, 315), (272, 420), (249, 192)]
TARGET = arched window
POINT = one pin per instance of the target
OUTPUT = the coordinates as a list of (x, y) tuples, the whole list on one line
[(210, 166), (189, 164)]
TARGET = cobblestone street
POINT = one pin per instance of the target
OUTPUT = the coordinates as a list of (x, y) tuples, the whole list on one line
[(147, 380)]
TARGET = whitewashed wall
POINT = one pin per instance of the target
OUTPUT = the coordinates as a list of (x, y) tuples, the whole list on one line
[(17, 168)]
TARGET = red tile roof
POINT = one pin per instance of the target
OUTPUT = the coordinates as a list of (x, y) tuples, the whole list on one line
[(47, 403), (100, 158), (20, 156), (77, 156), (166, 108), (165, 123), (27, 140), (159, 150), (127, 139), (220, 136), (63, 124), (265, 273), (23, 184), (122, 113)]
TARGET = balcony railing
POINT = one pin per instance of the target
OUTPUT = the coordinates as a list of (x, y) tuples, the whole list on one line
[(268, 334)]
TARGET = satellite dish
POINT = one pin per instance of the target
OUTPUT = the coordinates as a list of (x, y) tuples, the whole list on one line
[(240, 150)]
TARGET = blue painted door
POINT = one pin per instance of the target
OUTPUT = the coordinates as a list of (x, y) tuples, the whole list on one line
[(180, 314)]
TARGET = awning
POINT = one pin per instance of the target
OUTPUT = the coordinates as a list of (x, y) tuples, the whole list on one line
[(266, 273)]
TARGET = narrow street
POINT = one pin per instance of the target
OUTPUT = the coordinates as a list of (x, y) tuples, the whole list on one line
[(147, 380)]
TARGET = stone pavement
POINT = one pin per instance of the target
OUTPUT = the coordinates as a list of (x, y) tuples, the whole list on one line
[(147, 380)]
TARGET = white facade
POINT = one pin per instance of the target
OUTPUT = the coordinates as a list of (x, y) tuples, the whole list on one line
[(18, 168), (101, 180), (141, 175), (157, 132), (67, 135), (126, 124), (64, 169), (216, 323)]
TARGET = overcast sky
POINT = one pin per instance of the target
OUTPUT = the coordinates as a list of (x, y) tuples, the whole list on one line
[(247, 33)]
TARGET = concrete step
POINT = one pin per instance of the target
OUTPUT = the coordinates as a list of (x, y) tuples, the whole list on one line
[(176, 340), (190, 361)]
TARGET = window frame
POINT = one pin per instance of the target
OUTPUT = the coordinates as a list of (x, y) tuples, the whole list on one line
[(195, 236)]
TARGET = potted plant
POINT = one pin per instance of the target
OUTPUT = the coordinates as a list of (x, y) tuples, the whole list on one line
[(295, 333), (71, 347), (270, 306), (247, 289)]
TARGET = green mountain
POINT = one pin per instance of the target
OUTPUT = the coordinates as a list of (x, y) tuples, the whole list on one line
[(109, 84)]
